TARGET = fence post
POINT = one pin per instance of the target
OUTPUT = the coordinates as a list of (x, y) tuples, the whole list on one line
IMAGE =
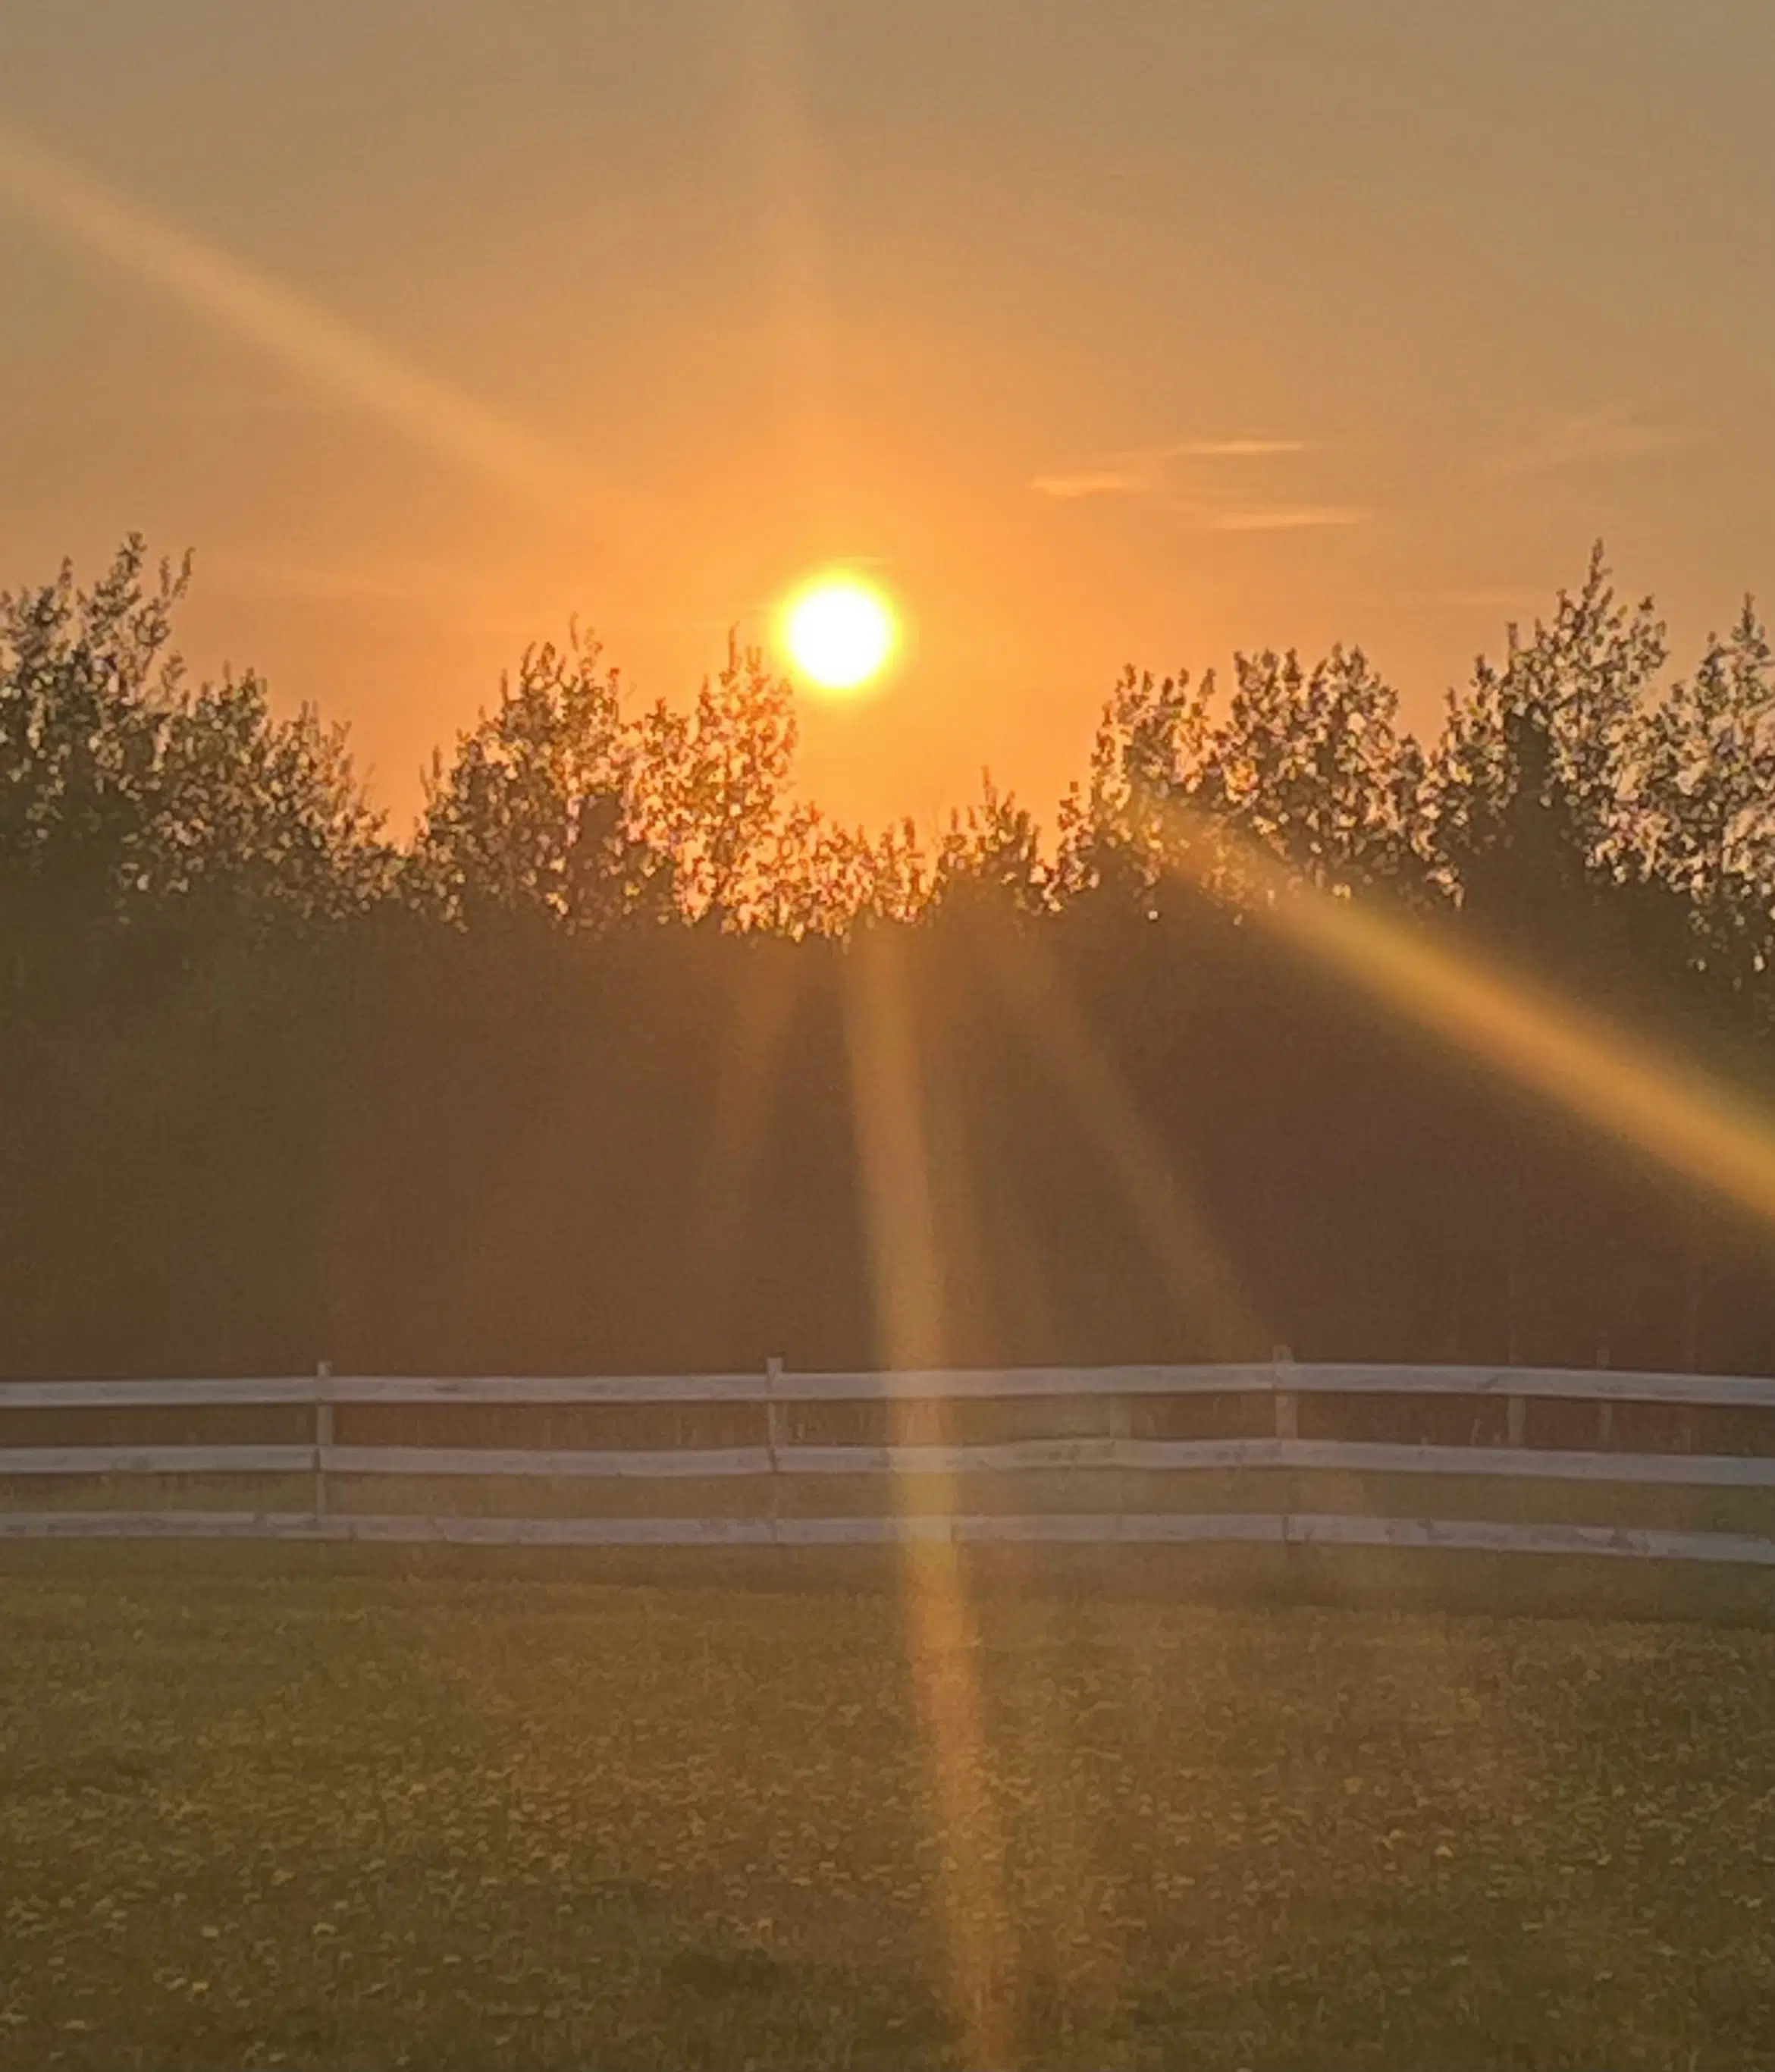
[(1121, 1431), (773, 1436), (1287, 1428), (1287, 1401), (323, 1434)]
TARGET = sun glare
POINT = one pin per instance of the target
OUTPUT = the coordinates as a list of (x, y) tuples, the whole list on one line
[(839, 632)]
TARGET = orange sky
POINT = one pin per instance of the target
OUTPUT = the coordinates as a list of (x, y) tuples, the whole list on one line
[(1096, 333)]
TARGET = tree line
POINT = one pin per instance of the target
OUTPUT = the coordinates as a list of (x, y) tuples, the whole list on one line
[(579, 1076)]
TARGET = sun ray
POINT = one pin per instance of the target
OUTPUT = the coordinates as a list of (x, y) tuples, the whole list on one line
[(753, 1043), (1693, 1124), (251, 306), (771, 67), (1203, 1288), (940, 1630)]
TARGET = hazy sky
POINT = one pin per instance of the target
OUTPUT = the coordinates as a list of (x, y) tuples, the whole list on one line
[(1116, 330)]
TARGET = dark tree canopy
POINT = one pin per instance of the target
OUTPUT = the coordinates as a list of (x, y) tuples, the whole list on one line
[(567, 1080)]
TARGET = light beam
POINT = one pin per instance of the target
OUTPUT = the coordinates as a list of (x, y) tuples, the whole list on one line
[(289, 327)]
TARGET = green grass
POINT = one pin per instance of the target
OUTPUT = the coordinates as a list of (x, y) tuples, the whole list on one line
[(255, 1812)]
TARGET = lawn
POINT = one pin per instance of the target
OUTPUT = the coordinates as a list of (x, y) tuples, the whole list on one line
[(255, 1815)]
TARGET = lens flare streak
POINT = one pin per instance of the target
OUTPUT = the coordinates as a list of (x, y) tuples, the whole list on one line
[(261, 312), (1197, 1274), (1659, 1103), (941, 1635)]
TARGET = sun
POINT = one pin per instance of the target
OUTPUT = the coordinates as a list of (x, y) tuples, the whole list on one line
[(838, 632)]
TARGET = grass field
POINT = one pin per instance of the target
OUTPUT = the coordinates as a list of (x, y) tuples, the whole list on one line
[(257, 1815)]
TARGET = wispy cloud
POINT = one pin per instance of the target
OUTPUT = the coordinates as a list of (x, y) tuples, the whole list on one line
[(1287, 518), (1227, 449), (1140, 470), (1090, 481), (1613, 434)]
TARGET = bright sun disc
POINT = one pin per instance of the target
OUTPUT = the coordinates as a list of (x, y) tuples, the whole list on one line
[(839, 632)]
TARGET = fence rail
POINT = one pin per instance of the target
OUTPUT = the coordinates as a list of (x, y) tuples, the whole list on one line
[(951, 1384), (1668, 1467)]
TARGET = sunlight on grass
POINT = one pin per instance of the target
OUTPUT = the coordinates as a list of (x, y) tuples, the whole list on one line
[(941, 1638), (340, 1821)]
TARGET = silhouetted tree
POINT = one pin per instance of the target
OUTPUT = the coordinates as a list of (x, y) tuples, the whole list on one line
[(991, 855), (537, 815), (1114, 832), (1308, 766), (87, 689), (1528, 791), (125, 795), (1703, 801), (567, 1081)]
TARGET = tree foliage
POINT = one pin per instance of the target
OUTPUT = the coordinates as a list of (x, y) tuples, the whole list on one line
[(123, 791), (309, 1091), (535, 815), (1702, 801), (1530, 789)]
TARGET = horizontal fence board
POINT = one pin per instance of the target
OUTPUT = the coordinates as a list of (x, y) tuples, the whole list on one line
[(1223, 1529), (616, 1464), (1366, 1457), (1482, 1535), (555, 1531), (1078, 1476), (155, 1460), (163, 1525), (1600, 1384), (1003, 1456), (965, 1384), (153, 1395), (1026, 1456), (1571, 1384), (1688, 1470), (548, 1388), (1356, 1457)]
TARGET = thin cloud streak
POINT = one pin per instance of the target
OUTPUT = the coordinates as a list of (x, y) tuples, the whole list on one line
[(1229, 448), (1288, 518), (1139, 472), (1090, 481), (1593, 438), (251, 306)]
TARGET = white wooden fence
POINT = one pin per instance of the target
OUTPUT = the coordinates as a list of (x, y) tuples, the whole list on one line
[(1666, 1467)]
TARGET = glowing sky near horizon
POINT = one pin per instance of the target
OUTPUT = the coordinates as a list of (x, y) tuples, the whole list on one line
[(1132, 332)]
